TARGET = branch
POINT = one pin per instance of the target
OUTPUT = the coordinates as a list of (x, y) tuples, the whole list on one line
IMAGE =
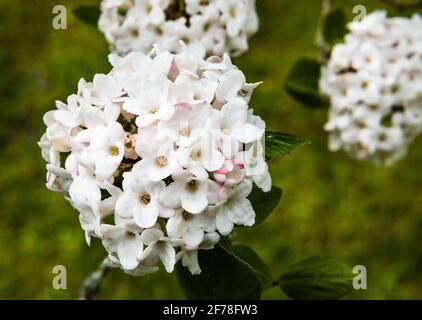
[(403, 6), (322, 45), (92, 284)]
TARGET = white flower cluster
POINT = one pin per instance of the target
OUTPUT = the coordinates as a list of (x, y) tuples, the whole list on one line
[(158, 156), (208, 27), (374, 82)]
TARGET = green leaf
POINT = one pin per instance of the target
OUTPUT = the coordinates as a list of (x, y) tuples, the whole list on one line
[(88, 14), (317, 278), (302, 82), (280, 144), (250, 257), (264, 203), (224, 276), (334, 27)]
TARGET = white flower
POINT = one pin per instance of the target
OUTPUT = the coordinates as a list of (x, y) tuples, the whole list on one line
[(190, 227), (164, 144), (235, 209), (159, 249), (208, 27), (106, 149), (139, 201), (374, 86), (125, 241), (160, 161), (190, 193)]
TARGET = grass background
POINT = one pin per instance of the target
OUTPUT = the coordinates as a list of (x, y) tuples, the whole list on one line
[(332, 205)]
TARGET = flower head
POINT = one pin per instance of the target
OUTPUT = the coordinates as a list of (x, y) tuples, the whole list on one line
[(374, 82), (208, 28), (163, 146)]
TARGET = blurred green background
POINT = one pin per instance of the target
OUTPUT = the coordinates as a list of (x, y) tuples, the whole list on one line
[(332, 205)]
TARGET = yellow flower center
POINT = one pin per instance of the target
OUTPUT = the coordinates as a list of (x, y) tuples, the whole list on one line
[(192, 186), (145, 198), (161, 161), (113, 150)]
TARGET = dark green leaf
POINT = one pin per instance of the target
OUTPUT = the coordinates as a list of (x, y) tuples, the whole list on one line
[(302, 82), (250, 257), (264, 203), (87, 14), (280, 144), (334, 27), (223, 276), (317, 278)]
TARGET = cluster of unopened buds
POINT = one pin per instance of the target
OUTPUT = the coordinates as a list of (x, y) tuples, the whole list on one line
[(158, 156), (208, 27), (374, 82)]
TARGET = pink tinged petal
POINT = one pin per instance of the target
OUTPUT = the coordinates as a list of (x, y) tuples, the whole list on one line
[(167, 256), (239, 163), (146, 216), (165, 112), (221, 171), (183, 105)]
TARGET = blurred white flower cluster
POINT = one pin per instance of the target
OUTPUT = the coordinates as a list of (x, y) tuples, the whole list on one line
[(208, 27), (158, 156), (374, 82)]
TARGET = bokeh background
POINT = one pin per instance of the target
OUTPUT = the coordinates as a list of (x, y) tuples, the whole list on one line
[(332, 205)]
